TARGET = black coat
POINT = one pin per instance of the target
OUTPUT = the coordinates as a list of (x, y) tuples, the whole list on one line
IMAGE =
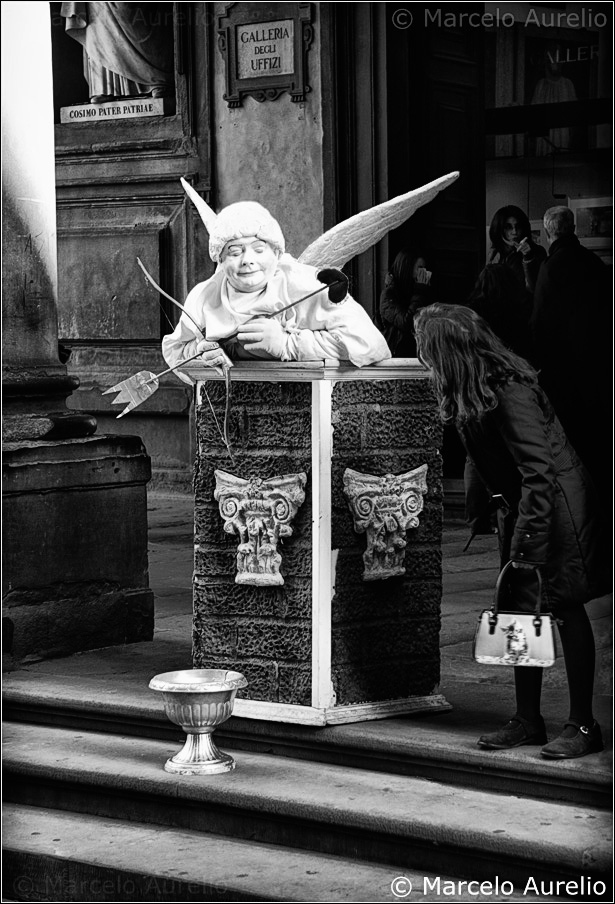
[(525, 267), (521, 452), (572, 328)]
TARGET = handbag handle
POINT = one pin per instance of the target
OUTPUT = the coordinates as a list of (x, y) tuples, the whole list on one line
[(493, 616)]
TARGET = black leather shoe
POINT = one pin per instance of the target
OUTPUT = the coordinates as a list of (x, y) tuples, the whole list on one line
[(573, 743), (515, 733)]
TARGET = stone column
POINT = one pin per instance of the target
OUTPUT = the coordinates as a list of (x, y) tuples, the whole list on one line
[(35, 382), (328, 643), (74, 504)]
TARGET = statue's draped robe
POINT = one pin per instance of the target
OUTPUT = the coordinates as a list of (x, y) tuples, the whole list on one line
[(128, 47)]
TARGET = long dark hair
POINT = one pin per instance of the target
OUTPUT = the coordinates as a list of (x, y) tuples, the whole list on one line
[(496, 229), (467, 360), (401, 270)]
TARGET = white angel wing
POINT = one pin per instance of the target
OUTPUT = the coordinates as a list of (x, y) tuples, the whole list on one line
[(358, 233)]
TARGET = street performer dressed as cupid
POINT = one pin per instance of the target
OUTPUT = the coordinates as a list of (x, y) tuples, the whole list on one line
[(234, 312)]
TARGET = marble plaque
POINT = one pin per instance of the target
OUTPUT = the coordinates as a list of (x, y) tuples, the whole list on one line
[(123, 108), (265, 48)]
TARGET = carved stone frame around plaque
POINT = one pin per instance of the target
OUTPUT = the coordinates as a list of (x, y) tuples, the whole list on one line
[(270, 38)]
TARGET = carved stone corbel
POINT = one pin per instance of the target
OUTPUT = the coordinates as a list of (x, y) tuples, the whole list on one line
[(259, 511), (384, 508)]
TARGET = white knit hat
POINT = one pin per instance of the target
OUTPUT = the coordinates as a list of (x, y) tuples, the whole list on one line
[(240, 220), (235, 222)]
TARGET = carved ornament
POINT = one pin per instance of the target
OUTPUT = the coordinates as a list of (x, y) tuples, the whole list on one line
[(384, 508), (259, 511)]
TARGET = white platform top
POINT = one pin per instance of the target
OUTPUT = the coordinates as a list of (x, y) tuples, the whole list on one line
[(311, 371)]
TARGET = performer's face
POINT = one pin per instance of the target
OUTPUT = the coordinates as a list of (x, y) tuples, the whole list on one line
[(249, 263)]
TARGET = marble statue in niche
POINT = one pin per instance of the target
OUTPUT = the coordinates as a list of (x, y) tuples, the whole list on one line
[(127, 48), (384, 508), (259, 511)]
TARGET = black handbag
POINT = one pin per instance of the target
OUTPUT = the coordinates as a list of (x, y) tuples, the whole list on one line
[(515, 638)]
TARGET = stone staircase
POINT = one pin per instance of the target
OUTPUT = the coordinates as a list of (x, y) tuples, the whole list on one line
[(310, 814), (340, 813)]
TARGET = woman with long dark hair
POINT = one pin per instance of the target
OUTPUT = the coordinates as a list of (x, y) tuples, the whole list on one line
[(407, 288), (550, 521), (510, 234)]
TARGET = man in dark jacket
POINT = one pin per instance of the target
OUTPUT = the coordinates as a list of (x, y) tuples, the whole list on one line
[(571, 331)]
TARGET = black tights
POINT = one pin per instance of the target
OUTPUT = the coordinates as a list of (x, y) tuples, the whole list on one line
[(579, 651)]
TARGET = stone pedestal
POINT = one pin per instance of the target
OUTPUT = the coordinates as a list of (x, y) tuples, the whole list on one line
[(75, 547), (326, 646)]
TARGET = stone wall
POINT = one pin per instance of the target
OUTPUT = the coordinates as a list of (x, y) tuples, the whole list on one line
[(385, 634)]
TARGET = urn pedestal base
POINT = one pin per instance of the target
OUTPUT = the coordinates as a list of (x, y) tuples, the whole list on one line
[(199, 756)]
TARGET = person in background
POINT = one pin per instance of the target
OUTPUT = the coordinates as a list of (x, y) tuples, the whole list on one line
[(407, 288), (502, 302), (572, 329), (521, 452), (511, 240)]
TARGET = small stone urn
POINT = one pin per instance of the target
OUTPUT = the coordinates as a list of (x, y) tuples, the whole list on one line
[(199, 700)]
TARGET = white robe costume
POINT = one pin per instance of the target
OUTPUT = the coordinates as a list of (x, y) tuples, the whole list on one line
[(316, 328)]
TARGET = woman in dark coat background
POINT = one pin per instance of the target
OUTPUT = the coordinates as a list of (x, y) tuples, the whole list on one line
[(407, 288), (521, 453), (510, 234)]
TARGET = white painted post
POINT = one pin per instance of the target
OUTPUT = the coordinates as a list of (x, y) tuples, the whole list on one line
[(322, 582)]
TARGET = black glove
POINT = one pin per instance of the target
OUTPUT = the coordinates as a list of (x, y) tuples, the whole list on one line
[(339, 291)]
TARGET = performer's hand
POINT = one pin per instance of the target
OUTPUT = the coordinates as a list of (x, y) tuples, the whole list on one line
[(337, 292), (213, 356), (263, 334)]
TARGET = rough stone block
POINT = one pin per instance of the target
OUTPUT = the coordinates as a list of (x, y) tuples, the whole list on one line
[(214, 638), (388, 427), (262, 677), (348, 430), (264, 429), (271, 395), (413, 639), (401, 392), (225, 598), (389, 681), (213, 562), (266, 640), (398, 598), (295, 684)]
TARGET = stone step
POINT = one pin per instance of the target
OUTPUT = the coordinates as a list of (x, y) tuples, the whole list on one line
[(326, 809), (109, 692), (77, 857)]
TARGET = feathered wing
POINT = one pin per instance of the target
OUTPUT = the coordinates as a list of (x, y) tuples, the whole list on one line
[(358, 233)]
